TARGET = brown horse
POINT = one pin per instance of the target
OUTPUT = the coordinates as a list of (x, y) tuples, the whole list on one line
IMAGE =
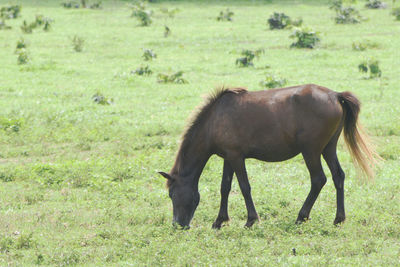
[(273, 125)]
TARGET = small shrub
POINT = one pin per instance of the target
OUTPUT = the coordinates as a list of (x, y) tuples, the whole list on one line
[(248, 58), (28, 28), (12, 125), (282, 21), (70, 4), (10, 12), (396, 13), (83, 4), (375, 4), (141, 13), (39, 21), (345, 15), (167, 31), (146, 71), (272, 81), (43, 21), (278, 21), (77, 43), (101, 99), (23, 56), (21, 44), (225, 16), (148, 54), (96, 5), (371, 66), (361, 46), (173, 78), (305, 38)]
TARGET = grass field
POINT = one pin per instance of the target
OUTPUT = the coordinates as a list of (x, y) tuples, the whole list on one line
[(79, 182)]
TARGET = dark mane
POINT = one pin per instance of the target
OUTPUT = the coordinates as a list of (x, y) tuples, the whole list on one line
[(197, 119)]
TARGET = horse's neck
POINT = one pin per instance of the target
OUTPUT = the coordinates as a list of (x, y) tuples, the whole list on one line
[(191, 159)]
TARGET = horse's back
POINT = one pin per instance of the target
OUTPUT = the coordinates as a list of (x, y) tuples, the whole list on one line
[(275, 125)]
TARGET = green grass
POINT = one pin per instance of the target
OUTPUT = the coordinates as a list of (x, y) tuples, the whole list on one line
[(79, 182)]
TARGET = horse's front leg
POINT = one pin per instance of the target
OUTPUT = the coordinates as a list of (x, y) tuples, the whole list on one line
[(239, 167), (225, 189)]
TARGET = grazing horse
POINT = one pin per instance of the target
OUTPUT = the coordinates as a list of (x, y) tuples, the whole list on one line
[(272, 125)]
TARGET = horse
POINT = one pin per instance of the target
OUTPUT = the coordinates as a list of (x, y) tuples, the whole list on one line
[(270, 125)]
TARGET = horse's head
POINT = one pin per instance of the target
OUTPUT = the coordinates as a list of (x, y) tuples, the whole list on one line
[(185, 200)]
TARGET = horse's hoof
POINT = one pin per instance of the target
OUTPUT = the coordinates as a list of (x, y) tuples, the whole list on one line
[(301, 220), (338, 220), (216, 225), (250, 222), (218, 222)]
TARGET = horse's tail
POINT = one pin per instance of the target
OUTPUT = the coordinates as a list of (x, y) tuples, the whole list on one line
[(361, 149)]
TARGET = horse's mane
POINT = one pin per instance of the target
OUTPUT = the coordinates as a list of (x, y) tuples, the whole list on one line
[(197, 119)]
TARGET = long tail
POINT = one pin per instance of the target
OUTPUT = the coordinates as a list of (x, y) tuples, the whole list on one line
[(361, 149)]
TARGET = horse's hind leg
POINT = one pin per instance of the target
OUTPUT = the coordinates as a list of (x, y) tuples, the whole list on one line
[(225, 189), (318, 180), (338, 176)]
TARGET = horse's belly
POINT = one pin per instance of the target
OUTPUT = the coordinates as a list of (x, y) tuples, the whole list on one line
[(272, 154)]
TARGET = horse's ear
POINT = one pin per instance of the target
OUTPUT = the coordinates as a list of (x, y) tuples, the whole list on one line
[(166, 175)]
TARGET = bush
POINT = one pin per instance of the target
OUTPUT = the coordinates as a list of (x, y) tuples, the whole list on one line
[(74, 4), (10, 12), (305, 38), (96, 5), (12, 125), (143, 71), (225, 16), (272, 81), (77, 43), (27, 28), (281, 21), (45, 21), (39, 21), (345, 15), (23, 56), (248, 58), (21, 44), (101, 99), (173, 78), (375, 4), (21, 51), (148, 54), (396, 13), (141, 13), (371, 66), (70, 4)]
